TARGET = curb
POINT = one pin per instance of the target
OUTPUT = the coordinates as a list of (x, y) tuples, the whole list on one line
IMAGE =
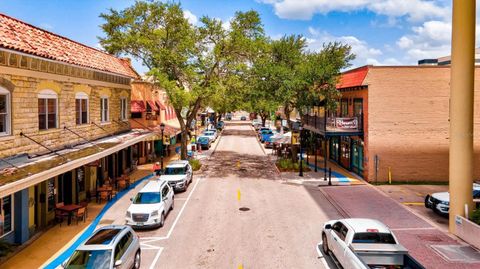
[(90, 228)]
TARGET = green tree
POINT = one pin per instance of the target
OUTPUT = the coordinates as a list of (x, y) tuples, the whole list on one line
[(190, 62)]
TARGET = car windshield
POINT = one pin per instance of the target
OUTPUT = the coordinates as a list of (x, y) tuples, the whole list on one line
[(209, 133), (373, 238), (147, 198), (175, 171), (95, 259), (203, 139)]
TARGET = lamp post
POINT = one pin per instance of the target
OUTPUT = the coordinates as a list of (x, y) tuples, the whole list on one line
[(162, 128), (300, 173)]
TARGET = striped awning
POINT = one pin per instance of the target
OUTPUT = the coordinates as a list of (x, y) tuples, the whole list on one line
[(161, 106), (137, 106), (152, 105)]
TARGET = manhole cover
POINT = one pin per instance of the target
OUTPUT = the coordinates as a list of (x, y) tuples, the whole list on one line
[(244, 209), (458, 253), (431, 238)]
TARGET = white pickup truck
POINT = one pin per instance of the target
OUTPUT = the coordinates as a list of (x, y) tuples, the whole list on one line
[(364, 244)]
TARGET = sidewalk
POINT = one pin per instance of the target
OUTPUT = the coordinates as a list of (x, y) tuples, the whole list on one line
[(57, 239), (340, 176), (426, 243)]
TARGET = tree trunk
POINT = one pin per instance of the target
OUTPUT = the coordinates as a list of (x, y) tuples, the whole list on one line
[(184, 140), (264, 119), (287, 111)]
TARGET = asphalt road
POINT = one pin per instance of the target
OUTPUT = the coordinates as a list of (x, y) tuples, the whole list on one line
[(239, 213)]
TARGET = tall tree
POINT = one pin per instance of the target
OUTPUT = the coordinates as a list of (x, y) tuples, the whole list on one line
[(190, 62)]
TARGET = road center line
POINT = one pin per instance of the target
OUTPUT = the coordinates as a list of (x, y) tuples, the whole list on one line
[(152, 266)]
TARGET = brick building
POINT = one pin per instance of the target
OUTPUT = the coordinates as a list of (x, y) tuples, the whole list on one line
[(64, 129), (392, 119)]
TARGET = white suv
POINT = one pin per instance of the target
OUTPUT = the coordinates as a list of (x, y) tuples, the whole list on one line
[(179, 175), (151, 205)]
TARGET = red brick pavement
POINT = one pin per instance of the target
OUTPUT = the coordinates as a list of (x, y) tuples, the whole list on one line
[(417, 235)]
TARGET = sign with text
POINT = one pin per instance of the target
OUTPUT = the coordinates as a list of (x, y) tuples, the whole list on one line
[(346, 123)]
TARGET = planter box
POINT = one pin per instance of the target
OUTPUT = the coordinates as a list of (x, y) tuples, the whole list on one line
[(468, 231)]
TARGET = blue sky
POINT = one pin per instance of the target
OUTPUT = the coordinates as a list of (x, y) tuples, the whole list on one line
[(381, 32)]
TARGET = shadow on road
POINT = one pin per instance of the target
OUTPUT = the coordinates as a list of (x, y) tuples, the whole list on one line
[(236, 132), (227, 163)]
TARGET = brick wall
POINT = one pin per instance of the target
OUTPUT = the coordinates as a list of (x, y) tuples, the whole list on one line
[(408, 123), (24, 110)]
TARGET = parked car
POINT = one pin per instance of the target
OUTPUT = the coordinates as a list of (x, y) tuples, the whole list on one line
[(114, 246), (439, 202), (257, 126), (220, 125), (364, 244), (151, 205), (211, 135), (243, 118), (179, 175), (204, 142), (256, 121), (265, 134), (228, 116), (216, 132)]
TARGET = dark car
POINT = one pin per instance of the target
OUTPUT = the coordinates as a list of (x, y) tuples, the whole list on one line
[(204, 142), (220, 125), (243, 118)]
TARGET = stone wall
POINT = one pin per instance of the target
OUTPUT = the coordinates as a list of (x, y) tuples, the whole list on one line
[(24, 110), (408, 123)]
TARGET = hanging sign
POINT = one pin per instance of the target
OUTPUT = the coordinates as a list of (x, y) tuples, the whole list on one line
[(295, 138)]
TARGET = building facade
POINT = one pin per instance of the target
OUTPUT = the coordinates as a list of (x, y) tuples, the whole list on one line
[(394, 122), (64, 125)]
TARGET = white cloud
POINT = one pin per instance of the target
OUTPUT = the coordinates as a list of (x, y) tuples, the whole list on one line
[(414, 10), (430, 40), (364, 53), (187, 14)]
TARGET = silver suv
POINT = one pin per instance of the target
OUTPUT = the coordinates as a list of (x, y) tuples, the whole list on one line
[(114, 246)]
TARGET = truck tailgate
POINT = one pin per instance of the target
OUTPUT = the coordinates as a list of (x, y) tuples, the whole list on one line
[(380, 254)]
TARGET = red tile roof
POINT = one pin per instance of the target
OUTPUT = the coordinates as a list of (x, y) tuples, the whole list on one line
[(353, 78), (26, 38)]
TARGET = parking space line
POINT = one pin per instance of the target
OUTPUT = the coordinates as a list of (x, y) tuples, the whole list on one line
[(152, 266), (176, 219)]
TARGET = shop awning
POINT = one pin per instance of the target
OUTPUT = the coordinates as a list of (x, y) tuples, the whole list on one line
[(161, 106), (45, 167), (137, 106), (152, 105)]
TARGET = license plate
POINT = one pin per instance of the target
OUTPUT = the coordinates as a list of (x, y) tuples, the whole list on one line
[(139, 223)]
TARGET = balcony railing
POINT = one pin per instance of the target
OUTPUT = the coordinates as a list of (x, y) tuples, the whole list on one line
[(334, 124)]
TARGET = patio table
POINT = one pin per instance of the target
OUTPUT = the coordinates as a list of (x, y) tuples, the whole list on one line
[(69, 209)]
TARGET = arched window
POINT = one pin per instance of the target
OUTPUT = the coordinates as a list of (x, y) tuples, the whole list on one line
[(81, 108), (47, 110), (5, 111)]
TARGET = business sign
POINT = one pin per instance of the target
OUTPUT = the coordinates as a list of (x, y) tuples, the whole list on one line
[(346, 123)]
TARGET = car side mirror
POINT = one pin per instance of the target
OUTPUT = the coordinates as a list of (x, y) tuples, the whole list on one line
[(117, 263), (328, 226), (131, 198)]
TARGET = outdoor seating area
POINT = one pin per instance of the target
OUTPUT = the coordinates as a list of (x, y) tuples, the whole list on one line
[(69, 212)]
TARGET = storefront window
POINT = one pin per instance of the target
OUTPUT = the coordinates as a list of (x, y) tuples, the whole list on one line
[(6, 217), (344, 108), (81, 179), (51, 194)]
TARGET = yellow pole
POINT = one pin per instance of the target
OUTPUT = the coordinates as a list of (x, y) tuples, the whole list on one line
[(389, 175), (461, 109)]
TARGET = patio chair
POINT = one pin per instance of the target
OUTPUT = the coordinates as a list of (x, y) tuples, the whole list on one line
[(85, 205), (81, 214), (60, 216), (103, 196)]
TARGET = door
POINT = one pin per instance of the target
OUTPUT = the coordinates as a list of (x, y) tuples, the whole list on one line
[(166, 197), (337, 241), (67, 187), (357, 158)]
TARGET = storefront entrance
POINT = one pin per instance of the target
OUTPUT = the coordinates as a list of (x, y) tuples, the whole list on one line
[(357, 157)]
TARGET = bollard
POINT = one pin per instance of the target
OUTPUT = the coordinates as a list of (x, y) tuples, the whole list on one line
[(329, 176)]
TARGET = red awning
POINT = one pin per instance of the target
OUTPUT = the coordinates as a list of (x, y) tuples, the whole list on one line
[(137, 106), (161, 106), (152, 105), (353, 78)]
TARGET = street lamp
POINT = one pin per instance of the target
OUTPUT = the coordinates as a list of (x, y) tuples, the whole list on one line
[(162, 128), (300, 173)]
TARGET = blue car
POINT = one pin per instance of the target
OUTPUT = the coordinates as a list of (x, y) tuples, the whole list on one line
[(265, 134), (204, 142)]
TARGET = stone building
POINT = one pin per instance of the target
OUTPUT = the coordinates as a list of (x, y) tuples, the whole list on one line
[(392, 120), (64, 125)]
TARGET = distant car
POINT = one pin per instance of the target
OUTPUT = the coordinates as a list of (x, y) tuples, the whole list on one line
[(114, 246), (243, 118), (220, 125), (179, 175), (151, 205), (228, 116), (264, 134), (213, 130), (439, 202), (204, 142), (256, 121), (211, 135)]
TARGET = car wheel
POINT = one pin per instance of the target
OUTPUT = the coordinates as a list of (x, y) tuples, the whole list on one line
[(325, 244), (426, 200), (173, 203), (162, 220), (137, 261)]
